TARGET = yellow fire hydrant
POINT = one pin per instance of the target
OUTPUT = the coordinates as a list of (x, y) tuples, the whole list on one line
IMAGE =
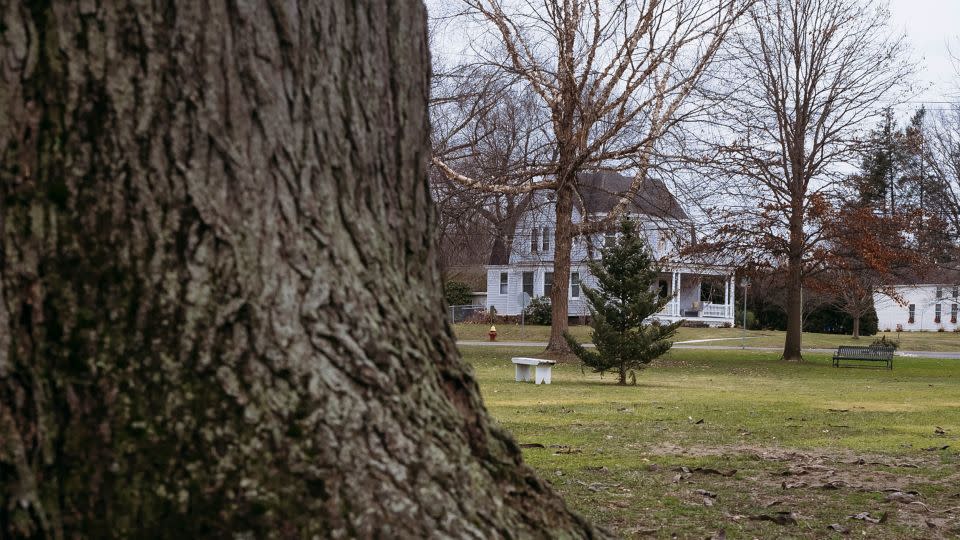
[(492, 333)]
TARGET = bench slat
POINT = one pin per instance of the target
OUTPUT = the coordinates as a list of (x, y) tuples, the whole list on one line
[(522, 360), (867, 354)]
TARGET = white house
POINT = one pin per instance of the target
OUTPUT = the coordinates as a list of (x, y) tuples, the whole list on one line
[(700, 291), (922, 306)]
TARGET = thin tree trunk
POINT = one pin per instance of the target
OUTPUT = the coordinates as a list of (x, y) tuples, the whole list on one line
[(559, 294), (220, 313)]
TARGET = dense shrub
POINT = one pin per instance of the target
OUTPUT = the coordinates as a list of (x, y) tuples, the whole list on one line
[(751, 320), (825, 320), (695, 324), (830, 320), (884, 342), (538, 312), (457, 293)]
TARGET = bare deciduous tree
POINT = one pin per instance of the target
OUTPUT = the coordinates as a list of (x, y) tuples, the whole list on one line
[(505, 129), (613, 80), (808, 76), (943, 149)]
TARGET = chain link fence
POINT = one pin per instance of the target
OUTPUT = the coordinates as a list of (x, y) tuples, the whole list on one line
[(462, 313)]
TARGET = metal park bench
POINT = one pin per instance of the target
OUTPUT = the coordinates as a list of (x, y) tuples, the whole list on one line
[(849, 353)]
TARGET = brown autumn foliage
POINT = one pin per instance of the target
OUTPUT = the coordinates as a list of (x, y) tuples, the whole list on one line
[(865, 251)]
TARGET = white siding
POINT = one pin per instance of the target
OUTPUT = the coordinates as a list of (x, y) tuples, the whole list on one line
[(509, 304), (523, 259), (504, 303), (543, 215), (923, 297)]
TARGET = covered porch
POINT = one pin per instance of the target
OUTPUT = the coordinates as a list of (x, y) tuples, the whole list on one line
[(698, 295)]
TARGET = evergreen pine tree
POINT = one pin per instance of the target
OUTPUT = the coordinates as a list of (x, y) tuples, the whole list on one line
[(625, 296)]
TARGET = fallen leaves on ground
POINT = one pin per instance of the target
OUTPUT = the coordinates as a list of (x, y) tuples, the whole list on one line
[(865, 516), (899, 496), (836, 527), (780, 518), (937, 448)]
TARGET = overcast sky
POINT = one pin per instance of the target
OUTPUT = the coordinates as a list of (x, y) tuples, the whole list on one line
[(930, 25)]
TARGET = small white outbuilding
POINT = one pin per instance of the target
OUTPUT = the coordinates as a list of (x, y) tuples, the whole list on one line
[(921, 306)]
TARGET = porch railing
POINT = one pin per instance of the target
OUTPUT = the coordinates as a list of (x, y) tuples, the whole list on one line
[(667, 310), (714, 310)]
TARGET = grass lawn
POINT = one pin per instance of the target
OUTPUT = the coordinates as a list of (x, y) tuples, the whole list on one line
[(815, 442), (910, 341)]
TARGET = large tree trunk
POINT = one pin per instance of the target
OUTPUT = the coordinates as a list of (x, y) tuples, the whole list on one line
[(559, 294), (793, 342), (856, 327), (220, 311)]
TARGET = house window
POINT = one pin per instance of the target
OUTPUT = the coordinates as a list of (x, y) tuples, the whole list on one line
[(533, 240), (913, 312), (953, 314), (575, 284), (956, 293), (936, 313), (663, 289), (545, 245), (504, 277), (939, 293), (528, 283), (547, 283), (609, 239)]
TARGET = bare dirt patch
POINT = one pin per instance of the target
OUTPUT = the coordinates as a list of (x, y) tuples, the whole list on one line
[(912, 491)]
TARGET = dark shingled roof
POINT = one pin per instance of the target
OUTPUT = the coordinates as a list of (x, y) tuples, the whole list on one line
[(602, 190)]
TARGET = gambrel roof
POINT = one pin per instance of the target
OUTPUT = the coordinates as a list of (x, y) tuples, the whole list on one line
[(602, 190)]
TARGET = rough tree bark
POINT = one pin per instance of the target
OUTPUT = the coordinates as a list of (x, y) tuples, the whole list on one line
[(793, 341), (219, 302), (563, 246)]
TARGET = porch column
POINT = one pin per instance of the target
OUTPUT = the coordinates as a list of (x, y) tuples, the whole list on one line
[(733, 295), (726, 298), (676, 307), (673, 292)]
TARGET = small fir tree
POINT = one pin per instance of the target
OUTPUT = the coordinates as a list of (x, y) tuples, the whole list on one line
[(625, 295)]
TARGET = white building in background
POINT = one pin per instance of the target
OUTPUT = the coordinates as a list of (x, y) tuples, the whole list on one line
[(924, 306), (701, 291)]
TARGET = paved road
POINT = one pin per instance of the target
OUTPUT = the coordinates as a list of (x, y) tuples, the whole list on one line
[(543, 344)]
